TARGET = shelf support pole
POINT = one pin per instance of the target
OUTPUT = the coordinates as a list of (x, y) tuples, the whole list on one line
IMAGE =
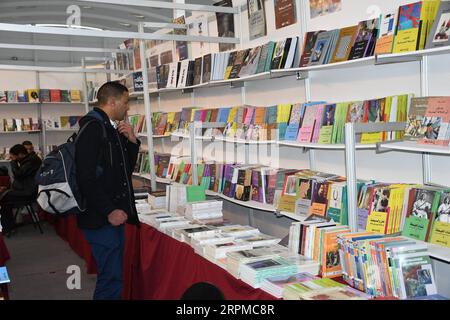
[(193, 153), (350, 169), (148, 112), (85, 87)]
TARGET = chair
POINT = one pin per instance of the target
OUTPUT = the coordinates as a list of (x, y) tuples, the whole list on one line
[(27, 204), (202, 291)]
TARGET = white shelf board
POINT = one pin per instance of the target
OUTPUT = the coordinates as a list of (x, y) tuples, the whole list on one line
[(242, 141), (148, 177), (437, 251), (413, 146), (248, 204), (411, 56), (310, 145), (144, 135), (64, 103), (293, 216), (18, 132), (180, 135), (61, 130), (18, 103)]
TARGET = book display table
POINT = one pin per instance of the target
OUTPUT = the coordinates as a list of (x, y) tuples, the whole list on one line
[(157, 266)]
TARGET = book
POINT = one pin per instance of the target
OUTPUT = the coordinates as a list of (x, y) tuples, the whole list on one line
[(44, 95), (256, 19), (238, 63), (409, 24), (11, 96), (344, 44), (75, 95), (385, 39), (308, 47), (436, 121), (414, 127), (320, 48), (32, 95), (285, 13), (206, 73), (172, 79), (225, 25), (183, 78), (439, 32), (250, 64), (365, 39), (278, 54), (65, 96), (441, 221), (198, 71)]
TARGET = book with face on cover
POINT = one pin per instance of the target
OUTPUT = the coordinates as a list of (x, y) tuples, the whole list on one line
[(320, 48), (439, 33), (308, 47), (366, 35), (250, 64), (436, 121)]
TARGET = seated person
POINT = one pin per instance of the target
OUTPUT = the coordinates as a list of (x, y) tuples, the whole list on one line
[(24, 166), (29, 146)]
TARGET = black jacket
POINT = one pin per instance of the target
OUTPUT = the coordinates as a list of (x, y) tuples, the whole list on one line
[(24, 173), (104, 170)]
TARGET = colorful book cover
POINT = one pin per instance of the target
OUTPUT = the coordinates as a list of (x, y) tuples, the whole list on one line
[(387, 32), (344, 44), (326, 130), (407, 37)]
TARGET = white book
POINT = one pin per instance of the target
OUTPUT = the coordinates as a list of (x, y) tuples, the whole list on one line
[(172, 79), (184, 68), (291, 54), (18, 123)]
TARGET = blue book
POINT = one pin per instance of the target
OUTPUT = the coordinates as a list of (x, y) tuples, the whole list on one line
[(282, 127), (430, 297), (4, 278), (291, 132), (198, 115), (271, 114), (223, 114)]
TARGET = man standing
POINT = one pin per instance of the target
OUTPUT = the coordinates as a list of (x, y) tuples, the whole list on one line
[(24, 166), (106, 154)]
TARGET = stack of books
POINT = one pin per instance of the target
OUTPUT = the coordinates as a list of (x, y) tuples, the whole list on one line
[(204, 210), (322, 289), (22, 124), (253, 273), (157, 199), (276, 285), (238, 258)]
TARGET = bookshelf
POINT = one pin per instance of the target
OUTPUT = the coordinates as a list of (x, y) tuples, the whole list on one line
[(412, 146)]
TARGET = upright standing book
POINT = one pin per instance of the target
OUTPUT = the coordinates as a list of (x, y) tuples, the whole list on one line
[(285, 13)]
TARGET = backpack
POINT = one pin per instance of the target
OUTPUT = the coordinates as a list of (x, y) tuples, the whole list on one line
[(58, 191)]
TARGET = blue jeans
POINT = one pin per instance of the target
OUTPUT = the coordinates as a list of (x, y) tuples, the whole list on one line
[(107, 244)]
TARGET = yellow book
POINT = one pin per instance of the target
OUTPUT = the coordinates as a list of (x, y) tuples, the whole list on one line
[(33, 95), (376, 222), (440, 234), (75, 95), (232, 114), (406, 40), (287, 203), (170, 117), (283, 112), (193, 114), (371, 137), (424, 17)]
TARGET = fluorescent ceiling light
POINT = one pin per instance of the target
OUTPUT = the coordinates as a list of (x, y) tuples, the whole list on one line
[(64, 26)]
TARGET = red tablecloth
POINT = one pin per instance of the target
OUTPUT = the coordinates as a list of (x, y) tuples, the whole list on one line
[(4, 256), (164, 268), (157, 266)]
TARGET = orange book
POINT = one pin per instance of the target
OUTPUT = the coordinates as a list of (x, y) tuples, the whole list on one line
[(260, 114), (330, 266)]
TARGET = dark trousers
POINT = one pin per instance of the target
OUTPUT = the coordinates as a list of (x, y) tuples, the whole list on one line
[(107, 244)]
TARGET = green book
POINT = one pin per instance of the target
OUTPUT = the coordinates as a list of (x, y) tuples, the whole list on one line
[(270, 49), (195, 193)]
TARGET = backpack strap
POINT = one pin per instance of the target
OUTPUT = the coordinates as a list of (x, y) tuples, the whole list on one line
[(97, 119)]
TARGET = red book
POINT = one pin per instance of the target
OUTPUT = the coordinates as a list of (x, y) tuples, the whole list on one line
[(55, 95)]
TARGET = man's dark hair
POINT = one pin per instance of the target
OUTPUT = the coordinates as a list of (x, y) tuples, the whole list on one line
[(110, 89), (27, 143), (18, 149)]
